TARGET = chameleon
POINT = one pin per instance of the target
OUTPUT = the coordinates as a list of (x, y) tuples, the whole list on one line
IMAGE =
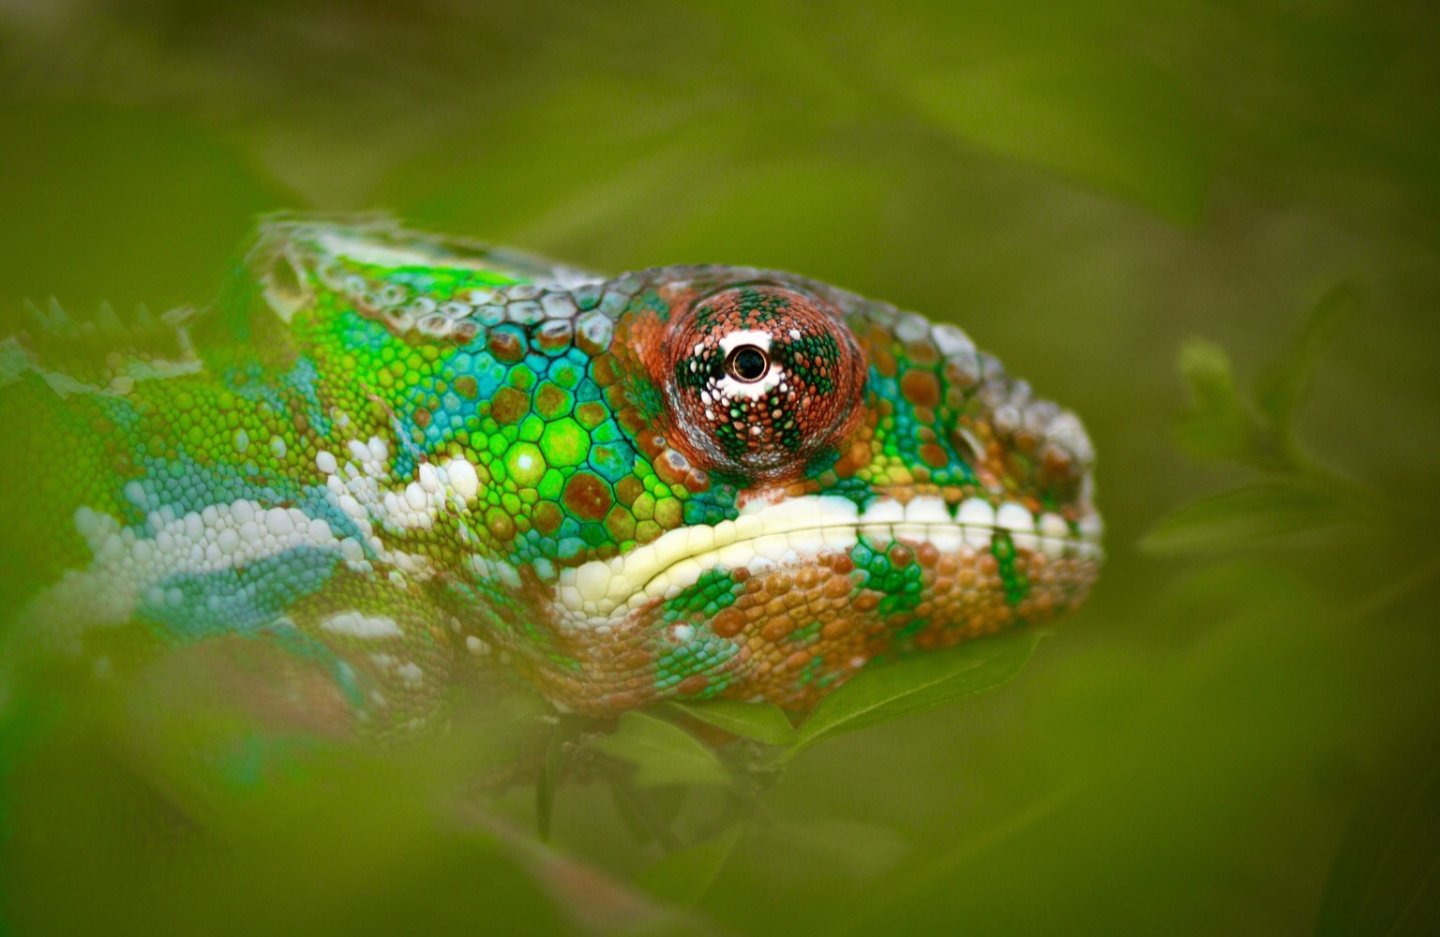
[(381, 453)]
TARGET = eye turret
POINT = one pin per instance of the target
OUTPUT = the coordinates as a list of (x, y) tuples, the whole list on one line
[(761, 379), (748, 363)]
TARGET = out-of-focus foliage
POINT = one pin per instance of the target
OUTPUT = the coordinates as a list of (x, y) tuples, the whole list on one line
[(1235, 737)]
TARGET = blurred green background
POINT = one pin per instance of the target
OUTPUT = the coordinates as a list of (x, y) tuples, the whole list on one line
[(1238, 735)]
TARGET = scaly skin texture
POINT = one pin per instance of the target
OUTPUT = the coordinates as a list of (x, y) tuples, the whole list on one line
[(384, 452)]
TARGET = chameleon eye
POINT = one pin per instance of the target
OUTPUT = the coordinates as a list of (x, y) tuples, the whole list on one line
[(747, 363), (761, 379)]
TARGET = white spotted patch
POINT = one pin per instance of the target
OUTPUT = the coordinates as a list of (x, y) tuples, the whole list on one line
[(127, 562), (356, 624), (462, 478)]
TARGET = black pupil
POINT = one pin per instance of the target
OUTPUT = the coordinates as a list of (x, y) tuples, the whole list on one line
[(748, 363)]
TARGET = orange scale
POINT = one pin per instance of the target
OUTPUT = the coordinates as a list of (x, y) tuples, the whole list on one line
[(776, 629), (695, 683), (728, 623)]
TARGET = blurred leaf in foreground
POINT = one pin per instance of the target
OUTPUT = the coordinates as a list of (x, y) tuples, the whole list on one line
[(683, 876), (360, 845)]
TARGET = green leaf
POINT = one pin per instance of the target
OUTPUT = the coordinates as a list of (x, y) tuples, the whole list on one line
[(1219, 423), (893, 690), (1245, 517), (685, 875), (1284, 386), (663, 753), (763, 722)]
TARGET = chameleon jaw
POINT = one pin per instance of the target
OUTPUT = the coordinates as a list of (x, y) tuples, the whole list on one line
[(788, 532)]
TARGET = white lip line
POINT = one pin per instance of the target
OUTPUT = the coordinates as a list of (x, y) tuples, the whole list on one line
[(782, 533), (904, 528), (1084, 545)]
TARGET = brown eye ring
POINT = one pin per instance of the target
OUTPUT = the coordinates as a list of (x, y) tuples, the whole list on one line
[(747, 363)]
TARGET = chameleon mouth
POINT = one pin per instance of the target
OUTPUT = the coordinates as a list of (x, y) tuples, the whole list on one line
[(787, 532)]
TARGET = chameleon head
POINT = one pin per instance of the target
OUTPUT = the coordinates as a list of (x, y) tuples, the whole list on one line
[(677, 483), (682, 482), (855, 483)]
